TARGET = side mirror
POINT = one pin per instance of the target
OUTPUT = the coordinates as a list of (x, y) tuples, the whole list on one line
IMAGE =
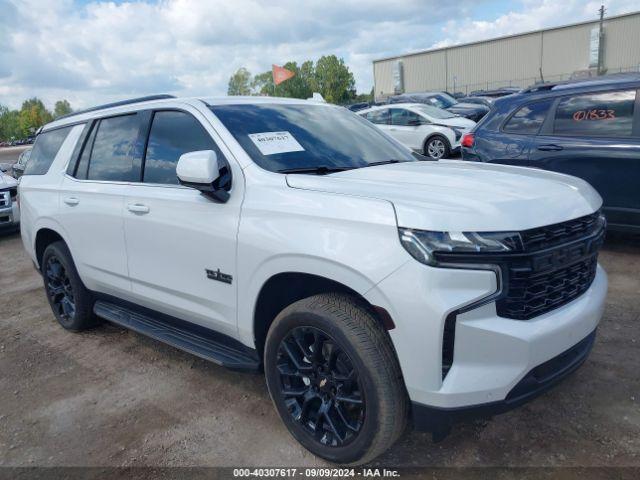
[(202, 171)]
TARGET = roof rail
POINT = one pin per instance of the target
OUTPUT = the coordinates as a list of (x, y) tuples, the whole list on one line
[(148, 98)]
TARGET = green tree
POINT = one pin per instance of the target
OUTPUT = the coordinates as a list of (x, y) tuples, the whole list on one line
[(62, 107), (262, 84), (333, 79), (9, 124), (298, 85), (33, 115), (240, 83), (329, 76)]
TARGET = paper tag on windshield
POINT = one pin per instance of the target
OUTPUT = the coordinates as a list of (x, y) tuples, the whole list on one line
[(270, 143)]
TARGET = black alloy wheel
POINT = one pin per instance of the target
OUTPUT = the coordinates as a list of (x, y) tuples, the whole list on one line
[(60, 290), (320, 386)]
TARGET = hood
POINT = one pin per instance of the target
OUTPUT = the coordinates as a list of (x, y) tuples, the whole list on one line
[(461, 122), (466, 108), (464, 196), (6, 181)]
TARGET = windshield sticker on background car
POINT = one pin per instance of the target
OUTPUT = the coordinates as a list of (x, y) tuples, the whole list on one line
[(270, 143)]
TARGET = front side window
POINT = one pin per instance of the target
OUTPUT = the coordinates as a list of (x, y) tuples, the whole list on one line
[(114, 150), (45, 151), (172, 134), (607, 114), (306, 136), (405, 118), (528, 119), (381, 117)]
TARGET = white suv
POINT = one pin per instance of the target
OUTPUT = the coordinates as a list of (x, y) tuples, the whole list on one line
[(294, 236)]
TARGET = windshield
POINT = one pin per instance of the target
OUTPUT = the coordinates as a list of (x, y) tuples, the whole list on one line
[(442, 100), (433, 112), (284, 137)]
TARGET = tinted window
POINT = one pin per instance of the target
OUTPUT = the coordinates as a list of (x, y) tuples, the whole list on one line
[(307, 136), (402, 117), (114, 150), (529, 118), (45, 150), (608, 114), (381, 117), (172, 134), (83, 163)]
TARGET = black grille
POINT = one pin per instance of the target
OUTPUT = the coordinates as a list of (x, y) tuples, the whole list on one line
[(556, 265), (542, 237), (561, 267), (531, 292)]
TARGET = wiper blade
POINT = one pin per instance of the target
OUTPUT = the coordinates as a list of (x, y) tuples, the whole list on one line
[(322, 170), (384, 162)]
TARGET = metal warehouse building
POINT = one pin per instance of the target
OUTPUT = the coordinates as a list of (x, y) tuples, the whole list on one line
[(516, 60)]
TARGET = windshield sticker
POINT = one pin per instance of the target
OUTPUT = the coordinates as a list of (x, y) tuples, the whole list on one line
[(270, 143)]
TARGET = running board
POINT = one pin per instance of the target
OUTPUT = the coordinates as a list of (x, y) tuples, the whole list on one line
[(186, 336)]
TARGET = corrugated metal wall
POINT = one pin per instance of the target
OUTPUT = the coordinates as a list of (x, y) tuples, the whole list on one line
[(514, 60)]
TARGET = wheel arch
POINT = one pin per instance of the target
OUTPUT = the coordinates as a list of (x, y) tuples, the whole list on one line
[(285, 288), (44, 237), (435, 134)]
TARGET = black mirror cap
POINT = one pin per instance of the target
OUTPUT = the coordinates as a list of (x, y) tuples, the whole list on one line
[(218, 190)]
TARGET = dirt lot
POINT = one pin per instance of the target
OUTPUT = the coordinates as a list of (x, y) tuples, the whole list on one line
[(111, 397)]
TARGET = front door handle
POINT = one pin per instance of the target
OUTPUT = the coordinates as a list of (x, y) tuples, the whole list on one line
[(550, 148), (138, 208), (71, 201)]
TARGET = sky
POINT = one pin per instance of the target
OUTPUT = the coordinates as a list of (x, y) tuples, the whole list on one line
[(92, 52)]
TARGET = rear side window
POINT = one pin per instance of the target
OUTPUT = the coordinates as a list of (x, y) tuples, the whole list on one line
[(45, 150), (172, 134), (606, 114), (83, 163), (114, 153), (380, 117), (528, 119)]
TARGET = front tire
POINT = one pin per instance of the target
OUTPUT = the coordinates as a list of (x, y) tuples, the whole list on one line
[(334, 378), (437, 147), (70, 301)]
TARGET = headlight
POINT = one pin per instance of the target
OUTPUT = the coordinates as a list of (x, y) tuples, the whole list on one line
[(458, 133), (424, 245)]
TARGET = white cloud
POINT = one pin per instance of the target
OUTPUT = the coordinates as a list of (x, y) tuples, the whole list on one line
[(93, 52), (533, 15)]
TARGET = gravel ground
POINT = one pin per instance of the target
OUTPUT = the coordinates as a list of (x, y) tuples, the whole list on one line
[(110, 397)]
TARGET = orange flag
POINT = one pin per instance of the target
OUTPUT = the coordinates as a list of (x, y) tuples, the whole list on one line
[(281, 74)]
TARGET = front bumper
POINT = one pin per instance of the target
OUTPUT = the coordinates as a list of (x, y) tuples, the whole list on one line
[(537, 381), (492, 355), (9, 218)]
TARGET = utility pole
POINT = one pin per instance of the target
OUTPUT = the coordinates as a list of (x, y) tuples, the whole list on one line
[(601, 11)]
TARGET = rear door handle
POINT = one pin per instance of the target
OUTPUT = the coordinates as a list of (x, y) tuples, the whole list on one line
[(138, 208), (71, 201), (550, 148)]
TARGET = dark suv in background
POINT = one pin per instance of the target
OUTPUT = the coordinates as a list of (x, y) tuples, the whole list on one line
[(444, 101), (588, 128)]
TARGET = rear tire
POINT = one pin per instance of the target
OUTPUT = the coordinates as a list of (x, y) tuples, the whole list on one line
[(437, 147), (334, 379), (70, 301)]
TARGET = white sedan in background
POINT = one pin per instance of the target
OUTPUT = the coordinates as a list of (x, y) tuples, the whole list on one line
[(425, 129)]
